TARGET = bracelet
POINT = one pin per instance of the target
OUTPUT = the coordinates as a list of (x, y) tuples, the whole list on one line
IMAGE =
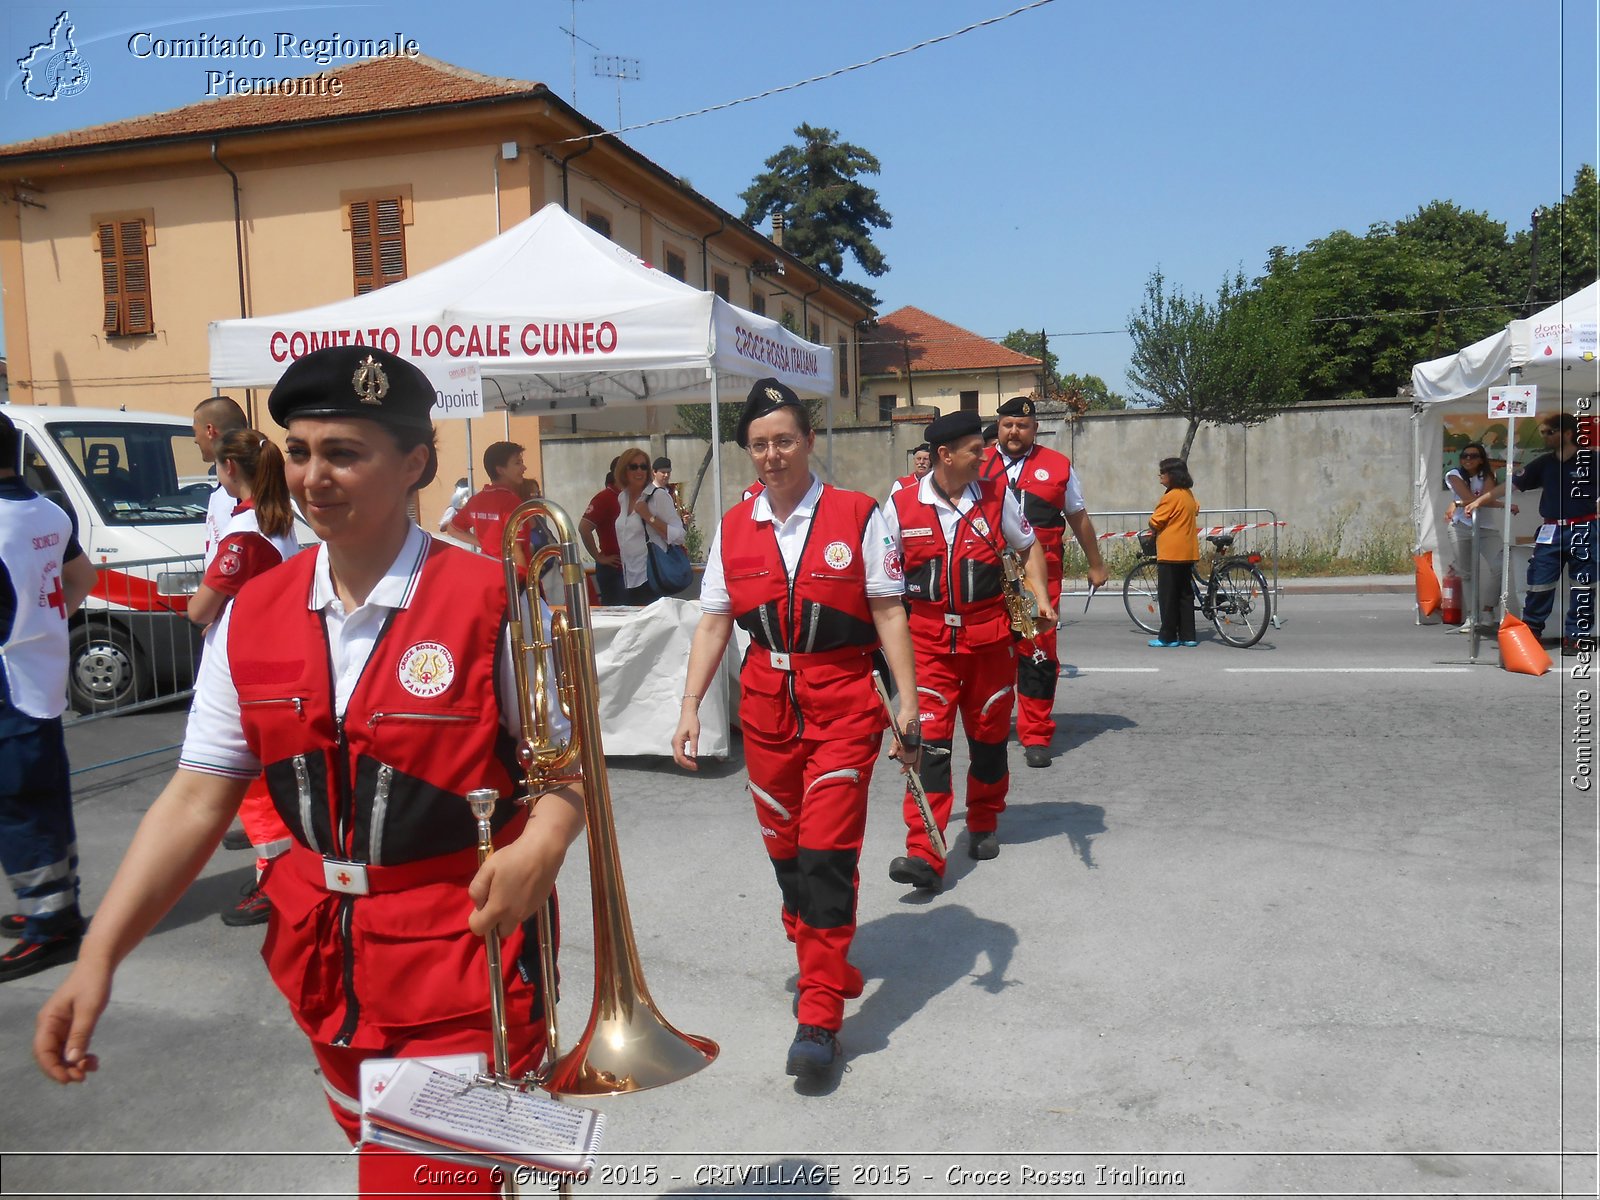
[(692, 696)]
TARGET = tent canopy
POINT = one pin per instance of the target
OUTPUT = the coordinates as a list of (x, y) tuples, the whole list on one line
[(1553, 350), (555, 314)]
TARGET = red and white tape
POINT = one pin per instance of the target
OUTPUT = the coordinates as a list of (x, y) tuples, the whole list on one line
[(1208, 532)]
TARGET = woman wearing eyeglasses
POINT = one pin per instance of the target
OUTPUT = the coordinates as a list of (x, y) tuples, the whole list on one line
[(1471, 478), (810, 572), (647, 515)]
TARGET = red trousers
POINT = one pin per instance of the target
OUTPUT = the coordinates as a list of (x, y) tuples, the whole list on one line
[(815, 851), (1036, 681), (979, 684)]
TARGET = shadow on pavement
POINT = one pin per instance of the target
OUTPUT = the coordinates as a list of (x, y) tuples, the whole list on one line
[(208, 896)]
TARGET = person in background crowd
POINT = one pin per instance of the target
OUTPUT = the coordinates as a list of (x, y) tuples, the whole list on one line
[(213, 418), (1472, 475), (458, 501), (378, 635), (44, 577), (1047, 487), (952, 530), (1564, 477), (991, 435), (1177, 550), (806, 570), (921, 459), (482, 522), (259, 535), (661, 476), (647, 515), (598, 529)]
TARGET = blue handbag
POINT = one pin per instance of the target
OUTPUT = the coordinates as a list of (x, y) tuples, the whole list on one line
[(668, 569)]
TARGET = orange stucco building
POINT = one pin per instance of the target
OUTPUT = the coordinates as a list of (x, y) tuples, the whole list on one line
[(119, 243)]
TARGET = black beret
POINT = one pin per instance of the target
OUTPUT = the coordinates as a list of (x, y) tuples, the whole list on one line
[(952, 427), (1017, 406), (923, 448), (766, 398), (354, 381), (991, 431)]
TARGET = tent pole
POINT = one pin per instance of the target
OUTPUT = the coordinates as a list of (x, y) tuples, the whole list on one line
[(1418, 495), (1505, 523), (470, 484), (827, 406), (716, 443)]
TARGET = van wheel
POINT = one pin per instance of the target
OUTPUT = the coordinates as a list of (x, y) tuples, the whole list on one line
[(105, 671)]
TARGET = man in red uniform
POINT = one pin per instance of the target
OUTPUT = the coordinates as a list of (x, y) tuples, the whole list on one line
[(952, 528), (921, 460), (598, 529), (482, 522), (810, 572), (1047, 487)]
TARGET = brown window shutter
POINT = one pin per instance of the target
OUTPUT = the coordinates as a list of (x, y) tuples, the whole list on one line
[(136, 316), (377, 243), (110, 279)]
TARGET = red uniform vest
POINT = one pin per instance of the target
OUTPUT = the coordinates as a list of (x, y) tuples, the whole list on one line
[(809, 666), (1042, 491), (955, 597), (907, 481)]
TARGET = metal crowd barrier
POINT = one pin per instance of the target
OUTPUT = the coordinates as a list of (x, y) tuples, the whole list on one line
[(1255, 531), (131, 646)]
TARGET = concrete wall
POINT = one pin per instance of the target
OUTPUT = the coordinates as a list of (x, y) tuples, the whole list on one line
[(1317, 466)]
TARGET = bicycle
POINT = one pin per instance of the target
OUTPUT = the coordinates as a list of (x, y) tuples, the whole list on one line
[(1233, 596)]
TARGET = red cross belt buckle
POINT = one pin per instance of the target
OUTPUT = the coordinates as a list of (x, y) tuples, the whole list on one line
[(341, 876)]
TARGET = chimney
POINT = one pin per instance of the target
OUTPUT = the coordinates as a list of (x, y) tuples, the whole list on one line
[(777, 230)]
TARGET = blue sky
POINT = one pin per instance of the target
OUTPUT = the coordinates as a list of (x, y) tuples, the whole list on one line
[(1036, 169)]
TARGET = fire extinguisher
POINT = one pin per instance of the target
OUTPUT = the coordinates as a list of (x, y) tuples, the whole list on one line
[(1450, 597)]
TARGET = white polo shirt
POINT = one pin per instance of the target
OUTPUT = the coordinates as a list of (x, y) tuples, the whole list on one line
[(1016, 528), (876, 545)]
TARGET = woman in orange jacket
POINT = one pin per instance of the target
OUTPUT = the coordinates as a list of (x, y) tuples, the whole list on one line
[(1177, 550)]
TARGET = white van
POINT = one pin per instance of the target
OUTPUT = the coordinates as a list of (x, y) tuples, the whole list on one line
[(136, 488)]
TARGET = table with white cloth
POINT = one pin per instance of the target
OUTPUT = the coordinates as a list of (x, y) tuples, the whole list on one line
[(641, 656)]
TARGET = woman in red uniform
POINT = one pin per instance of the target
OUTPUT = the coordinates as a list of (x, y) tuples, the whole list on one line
[(258, 536), (809, 572), (380, 638)]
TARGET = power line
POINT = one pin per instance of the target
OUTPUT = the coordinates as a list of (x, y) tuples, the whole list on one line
[(789, 87)]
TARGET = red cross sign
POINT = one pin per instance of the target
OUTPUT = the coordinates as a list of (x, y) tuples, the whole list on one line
[(343, 877), (56, 598)]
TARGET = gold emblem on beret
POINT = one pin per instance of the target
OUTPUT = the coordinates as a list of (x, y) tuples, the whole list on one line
[(1027, 409), (774, 395), (371, 384)]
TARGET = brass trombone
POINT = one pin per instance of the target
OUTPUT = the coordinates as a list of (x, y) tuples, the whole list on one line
[(628, 1045)]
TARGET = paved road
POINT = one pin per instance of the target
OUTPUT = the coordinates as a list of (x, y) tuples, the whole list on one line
[(1315, 917)]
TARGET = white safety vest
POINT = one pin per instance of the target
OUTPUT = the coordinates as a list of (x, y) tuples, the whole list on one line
[(33, 537)]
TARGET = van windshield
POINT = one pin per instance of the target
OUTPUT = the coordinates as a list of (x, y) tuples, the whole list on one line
[(138, 474)]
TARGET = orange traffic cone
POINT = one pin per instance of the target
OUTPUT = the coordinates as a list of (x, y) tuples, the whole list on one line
[(1428, 599), (1520, 650)]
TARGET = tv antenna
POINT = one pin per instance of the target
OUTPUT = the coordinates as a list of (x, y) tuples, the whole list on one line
[(574, 38), (618, 67)]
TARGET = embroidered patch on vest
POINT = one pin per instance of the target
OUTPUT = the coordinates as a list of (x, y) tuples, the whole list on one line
[(892, 565), (1041, 474), (981, 525), (838, 555), (427, 669), (921, 531), (229, 563)]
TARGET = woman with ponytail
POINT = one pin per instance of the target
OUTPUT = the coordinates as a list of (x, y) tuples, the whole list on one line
[(258, 536)]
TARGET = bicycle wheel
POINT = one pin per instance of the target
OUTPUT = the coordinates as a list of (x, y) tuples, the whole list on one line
[(1243, 604), (1140, 596)]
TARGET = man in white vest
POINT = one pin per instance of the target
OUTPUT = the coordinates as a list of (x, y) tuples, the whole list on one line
[(44, 576)]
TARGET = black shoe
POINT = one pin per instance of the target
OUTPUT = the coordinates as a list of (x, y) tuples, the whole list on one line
[(29, 958), (917, 872), (812, 1052), (1037, 756), (983, 845), (236, 839), (12, 925), (253, 908)]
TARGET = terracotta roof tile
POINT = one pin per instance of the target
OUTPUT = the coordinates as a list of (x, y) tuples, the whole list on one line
[(935, 345), (379, 85)]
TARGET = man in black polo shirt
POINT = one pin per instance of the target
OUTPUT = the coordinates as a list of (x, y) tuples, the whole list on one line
[(1564, 477)]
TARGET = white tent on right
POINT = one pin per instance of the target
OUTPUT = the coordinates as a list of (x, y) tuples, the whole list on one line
[(1554, 350)]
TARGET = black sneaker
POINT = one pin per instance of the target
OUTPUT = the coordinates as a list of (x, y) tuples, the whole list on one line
[(29, 958), (1036, 756), (236, 839), (812, 1052), (12, 925), (253, 908), (983, 846), (917, 872)]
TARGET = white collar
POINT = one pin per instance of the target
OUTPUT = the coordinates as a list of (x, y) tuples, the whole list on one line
[(394, 590), (928, 493), (806, 508)]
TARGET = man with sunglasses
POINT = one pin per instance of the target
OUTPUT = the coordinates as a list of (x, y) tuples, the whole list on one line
[(1564, 477)]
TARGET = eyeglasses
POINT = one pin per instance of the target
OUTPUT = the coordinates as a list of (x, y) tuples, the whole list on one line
[(783, 445), (638, 466), (1474, 454)]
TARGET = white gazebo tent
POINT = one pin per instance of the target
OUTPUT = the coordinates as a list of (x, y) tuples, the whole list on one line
[(1553, 350), (555, 318)]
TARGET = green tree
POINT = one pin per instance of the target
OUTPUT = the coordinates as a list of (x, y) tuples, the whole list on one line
[(1093, 392), (1232, 361), (1032, 343), (816, 187), (1569, 252), (695, 420)]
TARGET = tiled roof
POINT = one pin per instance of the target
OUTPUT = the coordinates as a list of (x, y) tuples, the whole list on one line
[(379, 85), (935, 345)]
